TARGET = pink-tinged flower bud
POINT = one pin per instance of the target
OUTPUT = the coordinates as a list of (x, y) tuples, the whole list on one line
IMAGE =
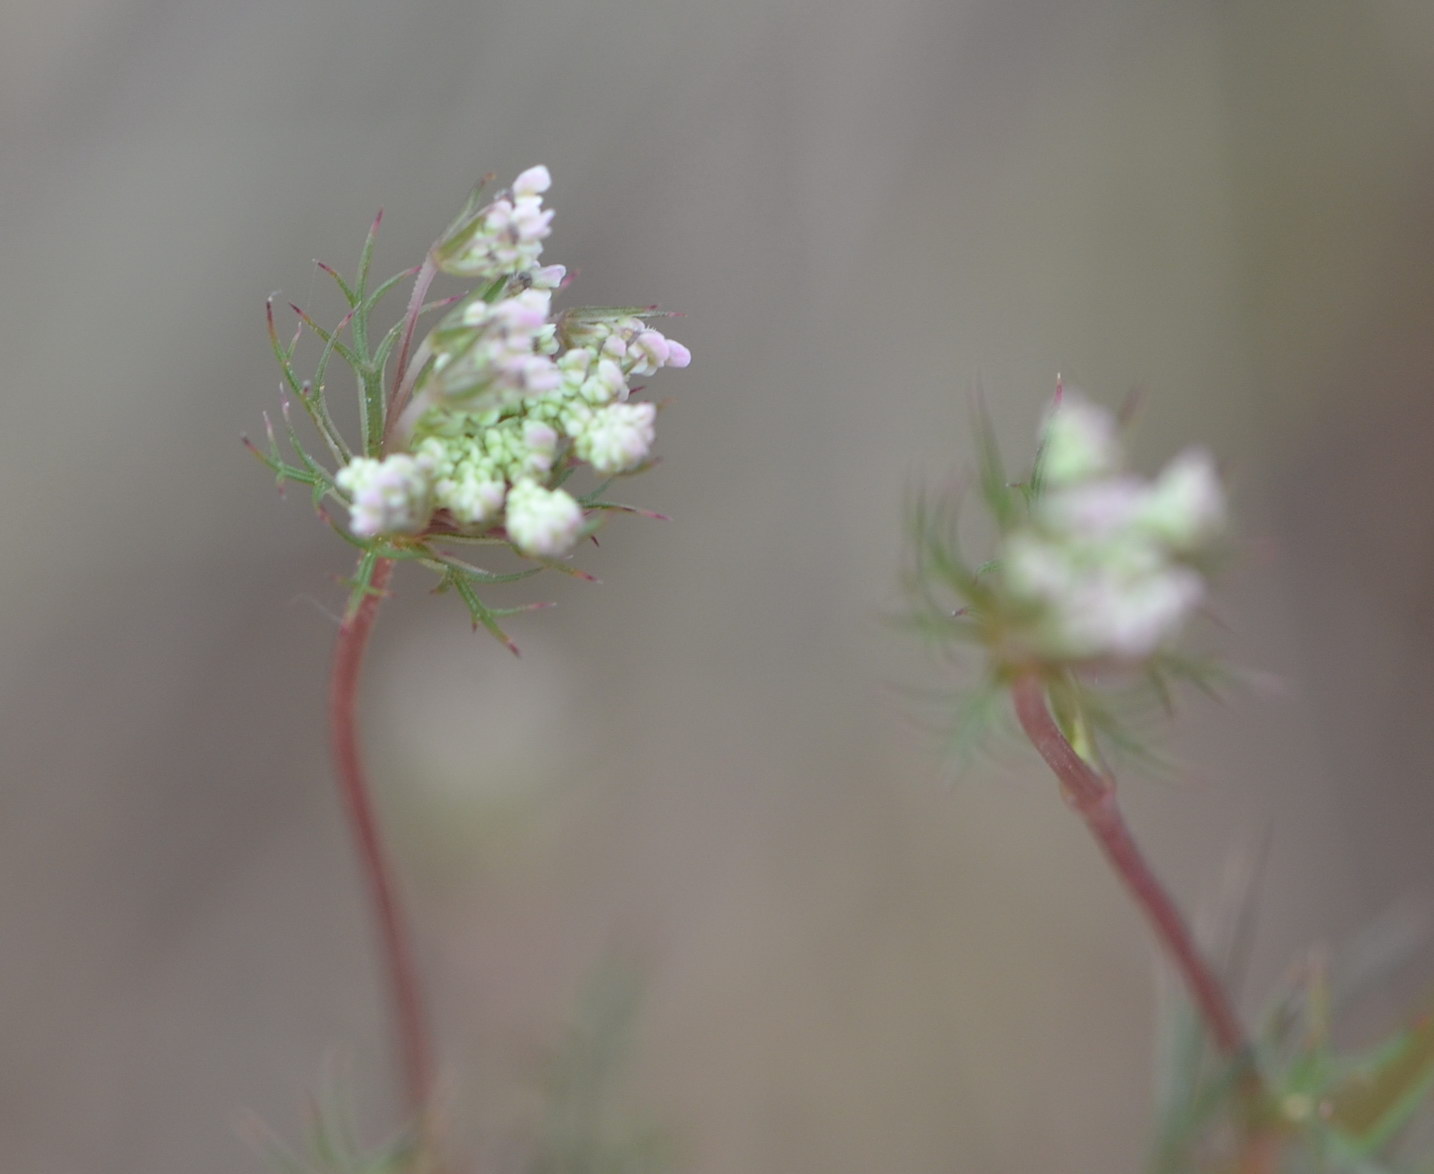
[(533, 182), (391, 496)]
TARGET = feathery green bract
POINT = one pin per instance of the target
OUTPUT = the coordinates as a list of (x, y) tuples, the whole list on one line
[(582, 1130)]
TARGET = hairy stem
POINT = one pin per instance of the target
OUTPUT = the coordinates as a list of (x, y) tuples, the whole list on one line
[(1092, 795), (414, 1048)]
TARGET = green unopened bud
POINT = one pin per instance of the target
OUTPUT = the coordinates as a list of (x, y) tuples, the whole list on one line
[(1081, 441)]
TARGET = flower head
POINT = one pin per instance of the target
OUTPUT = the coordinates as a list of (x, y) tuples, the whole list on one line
[(494, 410), (1103, 565), (1094, 567)]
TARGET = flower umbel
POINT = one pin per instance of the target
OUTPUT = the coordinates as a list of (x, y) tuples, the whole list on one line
[(1094, 567), (491, 414)]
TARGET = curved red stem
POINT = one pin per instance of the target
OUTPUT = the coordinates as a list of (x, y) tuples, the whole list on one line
[(1092, 795), (415, 1050)]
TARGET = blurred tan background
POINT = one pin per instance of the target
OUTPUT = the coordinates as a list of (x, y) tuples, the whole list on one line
[(705, 764)]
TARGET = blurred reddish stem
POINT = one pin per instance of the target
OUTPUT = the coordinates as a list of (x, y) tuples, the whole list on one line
[(415, 1048), (1092, 795), (403, 387)]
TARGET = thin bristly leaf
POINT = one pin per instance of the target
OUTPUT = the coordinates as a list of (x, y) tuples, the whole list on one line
[(972, 719), (322, 365), (481, 615), (366, 257), (439, 534), (314, 405), (619, 507), (316, 469), (330, 337), (442, 561), (387, 285), (282, 353), (563, 569), (349, 295), (994, 488)]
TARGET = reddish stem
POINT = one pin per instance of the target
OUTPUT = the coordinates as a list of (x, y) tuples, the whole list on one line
[(1092, 795), (403, 385), (414, 1048)]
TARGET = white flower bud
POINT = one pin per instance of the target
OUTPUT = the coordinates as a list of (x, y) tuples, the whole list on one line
[(548, 277), (543, 522), (618, 437), (391, 496), (542, 443), (677, 354), (533, 182), (472, 500)]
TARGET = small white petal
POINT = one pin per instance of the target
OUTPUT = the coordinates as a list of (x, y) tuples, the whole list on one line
[(534, 181)]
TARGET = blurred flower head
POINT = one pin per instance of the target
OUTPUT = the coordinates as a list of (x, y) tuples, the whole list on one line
[(1092, 568)]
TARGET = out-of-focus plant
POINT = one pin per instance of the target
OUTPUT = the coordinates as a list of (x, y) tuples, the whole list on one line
[(473, 434), (1093, 574)]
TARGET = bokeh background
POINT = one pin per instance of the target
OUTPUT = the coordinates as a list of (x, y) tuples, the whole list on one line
[(705, 766)]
